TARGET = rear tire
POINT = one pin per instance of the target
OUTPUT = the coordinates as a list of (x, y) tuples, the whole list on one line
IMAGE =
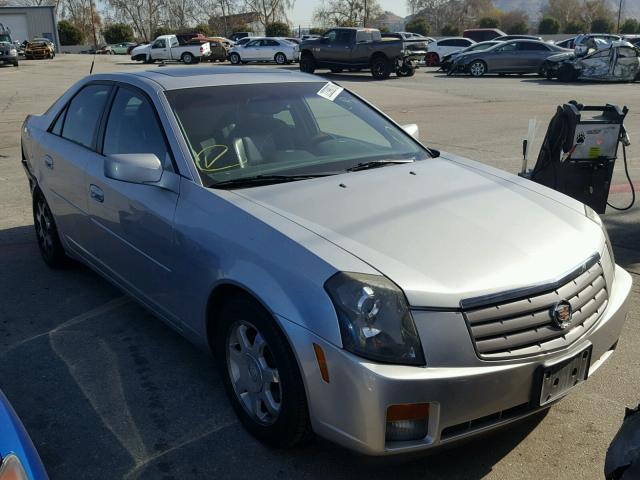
[(47, 233), (261, 375), (234, 58), (380, 68), (188, 58), (307, 63), (280, 58)]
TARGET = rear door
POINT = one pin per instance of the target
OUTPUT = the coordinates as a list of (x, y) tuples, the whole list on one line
[(133, 223), (67, 148), (532, 55)]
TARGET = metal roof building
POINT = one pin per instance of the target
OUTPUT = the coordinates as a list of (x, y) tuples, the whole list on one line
[(27, 23)]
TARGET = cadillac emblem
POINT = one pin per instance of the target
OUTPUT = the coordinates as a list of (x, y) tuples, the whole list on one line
[(561, 314)]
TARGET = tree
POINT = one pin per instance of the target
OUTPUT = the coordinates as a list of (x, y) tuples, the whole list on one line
[(574, 27), (515, 22), (162, 31), (450, 31), (203, 28), (143, 15), (69, 34), (269, 11), (83, 15), (564, 11), (489, 22), (278, 29), (418, 25), (601, 25), (630, 25), (117, 33), (548, 26), (347, 13)]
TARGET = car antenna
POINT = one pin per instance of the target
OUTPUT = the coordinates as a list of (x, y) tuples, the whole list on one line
[(95, 41)]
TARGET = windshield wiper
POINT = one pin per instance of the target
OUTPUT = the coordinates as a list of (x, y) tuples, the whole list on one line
[(259, 180), (376, 164)]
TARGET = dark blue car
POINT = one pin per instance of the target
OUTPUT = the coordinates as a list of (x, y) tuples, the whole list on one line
[(19, 459)]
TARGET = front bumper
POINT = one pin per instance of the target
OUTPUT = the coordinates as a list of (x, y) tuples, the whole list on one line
[(467, 396), (13, 59)]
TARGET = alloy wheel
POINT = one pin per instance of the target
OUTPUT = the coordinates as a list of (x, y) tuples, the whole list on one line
[(253, 373), (477, 69), (44, 226)]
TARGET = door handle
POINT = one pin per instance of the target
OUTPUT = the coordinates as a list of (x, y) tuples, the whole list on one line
[(48, 161), (96, 193)]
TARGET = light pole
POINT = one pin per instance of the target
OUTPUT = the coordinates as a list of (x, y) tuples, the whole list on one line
[(364, 23), (619, 15)]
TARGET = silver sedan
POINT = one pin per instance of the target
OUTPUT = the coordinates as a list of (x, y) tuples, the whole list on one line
[(350, 281)]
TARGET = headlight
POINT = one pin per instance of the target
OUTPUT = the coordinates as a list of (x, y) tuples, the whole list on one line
[(13, 51), (375, 321), (591, 214), (11, 469)]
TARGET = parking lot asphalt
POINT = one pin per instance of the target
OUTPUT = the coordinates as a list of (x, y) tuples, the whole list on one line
[(107, 391)]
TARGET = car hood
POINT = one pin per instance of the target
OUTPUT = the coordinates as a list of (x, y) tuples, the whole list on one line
[(442, 229), (561, 57)]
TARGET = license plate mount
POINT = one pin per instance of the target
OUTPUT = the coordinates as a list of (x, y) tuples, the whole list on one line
[(555, 380)]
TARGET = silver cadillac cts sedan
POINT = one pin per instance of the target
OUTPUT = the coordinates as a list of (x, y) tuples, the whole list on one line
[(350, 281)]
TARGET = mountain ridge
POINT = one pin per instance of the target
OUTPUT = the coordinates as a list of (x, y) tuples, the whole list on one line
[(631, 8)]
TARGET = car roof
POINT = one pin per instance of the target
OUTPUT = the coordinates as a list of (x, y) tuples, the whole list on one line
[(175, 78)]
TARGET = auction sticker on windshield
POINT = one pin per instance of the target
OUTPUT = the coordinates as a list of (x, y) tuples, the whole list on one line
[(330, 91)]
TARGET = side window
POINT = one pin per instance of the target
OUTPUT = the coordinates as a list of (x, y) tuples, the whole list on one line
[(599, 54), (509, 47), (174, 42), (271, 43), (83, 114), (331, 36), (462, 43), (447, 43), (344, 37), (626, 52), (132, 127), (363, 36), (336, 120), (159, 43), (253, 43), (530, 46), (56, 129)]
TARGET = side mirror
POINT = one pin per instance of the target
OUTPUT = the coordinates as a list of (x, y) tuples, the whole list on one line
[(133, 167), (412, 129)]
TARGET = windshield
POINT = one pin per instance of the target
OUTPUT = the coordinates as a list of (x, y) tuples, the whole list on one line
[(5, 38), (242, 131)]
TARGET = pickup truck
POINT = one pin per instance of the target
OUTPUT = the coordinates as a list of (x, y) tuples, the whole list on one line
[(167, 47), (355, 49)]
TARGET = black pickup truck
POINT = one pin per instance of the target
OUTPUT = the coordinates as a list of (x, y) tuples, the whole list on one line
[(356, 49)]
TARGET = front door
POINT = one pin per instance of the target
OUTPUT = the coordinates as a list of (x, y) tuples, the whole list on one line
[(160, 50), (596, 65), (504, 58), (251, 51), (134, 222)]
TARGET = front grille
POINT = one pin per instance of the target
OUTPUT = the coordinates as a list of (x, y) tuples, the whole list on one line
[(524, 326)]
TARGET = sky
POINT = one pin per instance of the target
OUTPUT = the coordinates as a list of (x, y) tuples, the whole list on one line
[(302, 12)]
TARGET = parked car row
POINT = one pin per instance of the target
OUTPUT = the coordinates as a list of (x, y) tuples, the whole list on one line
[(601, 57)]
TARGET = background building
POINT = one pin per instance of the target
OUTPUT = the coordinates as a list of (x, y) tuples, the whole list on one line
[(27, 23)]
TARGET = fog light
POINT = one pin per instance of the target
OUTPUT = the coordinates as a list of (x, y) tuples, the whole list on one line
[(407, 422)]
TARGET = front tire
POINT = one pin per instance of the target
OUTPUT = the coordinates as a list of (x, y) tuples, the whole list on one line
[(261, 375), (477, 68), (432, 59), (234, 58), (380, 68), (47, 233), (406, 71)]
